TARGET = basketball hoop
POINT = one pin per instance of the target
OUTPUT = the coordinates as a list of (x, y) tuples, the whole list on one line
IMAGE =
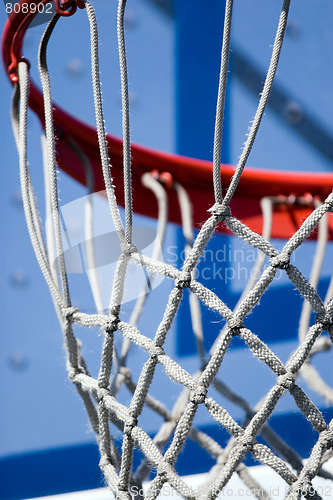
[(254, 205), (289, 189)]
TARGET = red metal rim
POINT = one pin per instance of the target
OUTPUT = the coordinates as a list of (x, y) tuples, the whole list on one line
[(195, 175)]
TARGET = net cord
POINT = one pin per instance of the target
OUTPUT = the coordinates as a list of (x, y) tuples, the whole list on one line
[(277, 47), (51, 157), (221, 102), (19, 120), (51, 248), (89, 226), (150, 183), (73, 348), (125, 121), (101, 132), (309, 373)]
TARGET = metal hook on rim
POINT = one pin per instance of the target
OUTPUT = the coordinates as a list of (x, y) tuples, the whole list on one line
[(164, 178), (61, 7), (13, 68)]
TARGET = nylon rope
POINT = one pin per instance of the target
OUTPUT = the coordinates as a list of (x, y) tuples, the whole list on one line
[(106, 165), (28, 198), (89, 226), (187, 226), (149, 182), (51, 247), (125, 120), (308, 372), (51, 155), (73, 349), (262, 102), (221, 102)]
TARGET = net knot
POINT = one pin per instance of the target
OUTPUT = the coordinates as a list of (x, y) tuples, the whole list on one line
[(305, 487), (199, 394), (130, 423), (128, 249), (102, 393), (164, 470), (104, 461), (73, 371), (324, 319), (123, 495), (184, 280), (287, 380), (68, 313), (126, 373), (220, 211), (234, 325), (155, 351), (281, 261), (326, 438), (111, 324), (246, 442)]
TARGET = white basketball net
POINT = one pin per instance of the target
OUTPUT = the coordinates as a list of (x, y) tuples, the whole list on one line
[(100, 395)]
